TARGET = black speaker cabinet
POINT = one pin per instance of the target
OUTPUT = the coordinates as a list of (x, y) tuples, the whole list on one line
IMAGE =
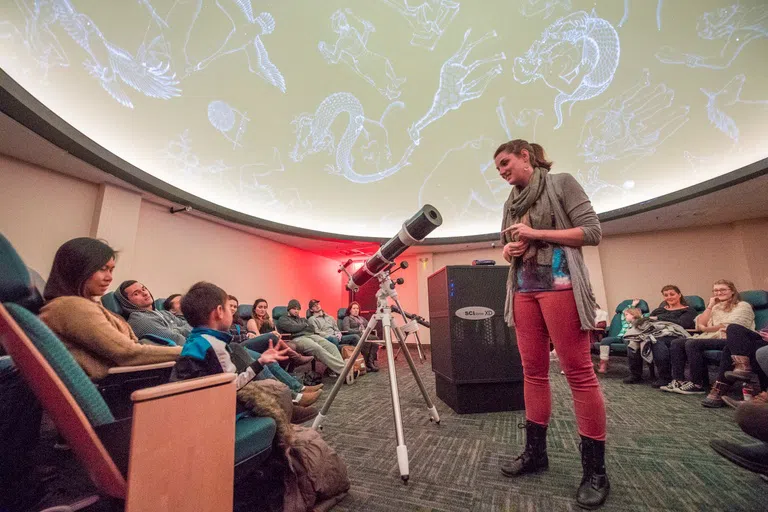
[(474, 353)]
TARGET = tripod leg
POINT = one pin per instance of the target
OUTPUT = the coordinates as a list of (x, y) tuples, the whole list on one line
[(318, 423), (433, 416), (402, 450)]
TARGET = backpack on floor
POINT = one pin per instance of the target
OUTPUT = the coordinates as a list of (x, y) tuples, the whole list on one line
[(312, 379), (358, 368)]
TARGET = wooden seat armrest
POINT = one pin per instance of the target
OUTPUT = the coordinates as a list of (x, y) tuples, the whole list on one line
[(185, 386), (141, 368)]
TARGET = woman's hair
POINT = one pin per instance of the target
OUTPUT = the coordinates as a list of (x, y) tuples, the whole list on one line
[(349, 308), (260, 321), (536, 153), (635, 313), (735, 299), (75, 262), (232, 297), (167, 303), (677, 291)]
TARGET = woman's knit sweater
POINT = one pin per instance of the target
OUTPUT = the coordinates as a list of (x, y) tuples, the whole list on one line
[(97, 338)]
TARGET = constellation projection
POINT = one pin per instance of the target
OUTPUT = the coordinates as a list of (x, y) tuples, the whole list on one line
[(526, 117), (577, 56), (111, 65), (633, 124), (38, 38), (429, 20), (227, 120), (719, 102), (314, 135), (453, 89), (352, 48), (534, 8), (659, 4), (735, 26), (153, 13), (594, 185), (245, 36)]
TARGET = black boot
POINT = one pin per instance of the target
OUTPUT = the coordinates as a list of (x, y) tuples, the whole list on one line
[(594, 486), (635, 363), (370, 358), (534, 458)]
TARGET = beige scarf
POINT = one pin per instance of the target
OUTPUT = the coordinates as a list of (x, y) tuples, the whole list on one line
[(530, 206)]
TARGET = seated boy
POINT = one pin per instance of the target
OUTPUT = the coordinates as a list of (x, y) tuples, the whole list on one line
[(207, 350)]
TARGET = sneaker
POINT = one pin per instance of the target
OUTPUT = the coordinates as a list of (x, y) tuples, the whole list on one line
[(689, 388), (658, 383), (671, 387)]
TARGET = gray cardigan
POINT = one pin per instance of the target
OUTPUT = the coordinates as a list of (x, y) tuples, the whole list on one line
[(571, 208)]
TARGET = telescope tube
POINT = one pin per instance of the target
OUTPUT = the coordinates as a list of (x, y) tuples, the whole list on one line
[(414, 230)]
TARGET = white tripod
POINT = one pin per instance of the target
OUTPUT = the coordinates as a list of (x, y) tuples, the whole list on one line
[(384, 313)]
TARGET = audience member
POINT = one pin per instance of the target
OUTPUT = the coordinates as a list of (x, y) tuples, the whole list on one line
[(146, 321), (173, 304), (324, 325), (605, 344), (739, 353), (648, 339), (261, 326), (208, 350), (675, 308), (97, 338), (353, 323), (724, 308), (307, 341)]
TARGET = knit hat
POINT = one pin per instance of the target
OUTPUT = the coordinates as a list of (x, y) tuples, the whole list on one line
[(294, 304)]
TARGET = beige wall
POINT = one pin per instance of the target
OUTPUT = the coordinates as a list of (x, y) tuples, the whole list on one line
[(40, 210)]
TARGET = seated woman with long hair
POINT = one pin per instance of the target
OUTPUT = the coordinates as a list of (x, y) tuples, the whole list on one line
[(261, 330), (353, 323), (97, 338), (675, 309)]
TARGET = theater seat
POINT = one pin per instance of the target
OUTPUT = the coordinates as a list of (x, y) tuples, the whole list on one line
[(109, 301), (244, 311), (340, 314), (159, 304), (253, 439)]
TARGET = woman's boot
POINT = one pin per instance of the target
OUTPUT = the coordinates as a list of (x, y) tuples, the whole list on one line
[(595, 486), (370, 359), (742, 369), (715, 397), (534, 458)]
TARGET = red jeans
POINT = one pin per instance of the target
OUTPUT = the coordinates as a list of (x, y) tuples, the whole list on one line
[(539, 317)]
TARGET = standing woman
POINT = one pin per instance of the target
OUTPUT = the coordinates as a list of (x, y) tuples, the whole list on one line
[(547, 219)]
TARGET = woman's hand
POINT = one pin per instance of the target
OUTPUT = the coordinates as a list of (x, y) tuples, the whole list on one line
[(712, 302), (273, 355), (250, 335), (522, 232), (514, 250)]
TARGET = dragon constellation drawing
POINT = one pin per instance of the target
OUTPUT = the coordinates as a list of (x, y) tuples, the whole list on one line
[(534, 8), (352, 48), (230, 122), (577, 56), (633, 124), (245, 36), (736, 26), (526, 117), (111, 65), (454, 89), (314, 135), (429, 20), (720, 103), (659, 4)]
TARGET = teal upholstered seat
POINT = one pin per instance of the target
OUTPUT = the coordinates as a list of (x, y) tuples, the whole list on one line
[(253, 437), (277, 312), (340, 314), (110, 302), (244, 311), (160, 304)]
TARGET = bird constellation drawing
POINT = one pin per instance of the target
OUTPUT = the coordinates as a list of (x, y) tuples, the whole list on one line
[(245, 36), (455, 88), (526, 117), (735, 26), (111, 65), (351, 48), (577, 56), (535, 8), (429, 20), (721, 102), (632, 124), (314, 135)]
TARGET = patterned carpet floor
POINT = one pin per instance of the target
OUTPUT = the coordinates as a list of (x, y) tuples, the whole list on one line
[(658, 457)]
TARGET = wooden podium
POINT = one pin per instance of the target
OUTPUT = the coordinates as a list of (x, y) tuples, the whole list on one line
[(474, 353)]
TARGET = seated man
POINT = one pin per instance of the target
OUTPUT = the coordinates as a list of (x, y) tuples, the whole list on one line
[(326, 326), (144, 319), (173, 304), (307, 341)]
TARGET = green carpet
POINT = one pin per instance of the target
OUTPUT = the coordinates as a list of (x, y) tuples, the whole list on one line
[(658, 456)]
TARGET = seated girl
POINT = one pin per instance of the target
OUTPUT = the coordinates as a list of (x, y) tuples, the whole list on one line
[(648, 339), (605, 344), (353, 323), (97, 338)]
